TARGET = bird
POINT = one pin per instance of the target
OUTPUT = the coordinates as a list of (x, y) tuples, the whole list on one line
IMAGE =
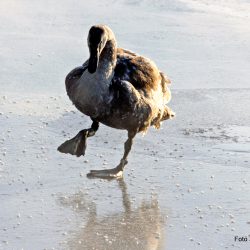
[(118, 88)]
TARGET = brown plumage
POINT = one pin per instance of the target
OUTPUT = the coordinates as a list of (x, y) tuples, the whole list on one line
[(118, 88)]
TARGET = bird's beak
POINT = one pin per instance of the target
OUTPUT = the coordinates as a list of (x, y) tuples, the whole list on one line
[(93, 60)]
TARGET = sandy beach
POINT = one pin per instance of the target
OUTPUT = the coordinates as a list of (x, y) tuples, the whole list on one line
[(186, 185)]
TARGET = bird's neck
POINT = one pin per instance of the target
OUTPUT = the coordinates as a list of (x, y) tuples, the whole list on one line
[(107, 60)]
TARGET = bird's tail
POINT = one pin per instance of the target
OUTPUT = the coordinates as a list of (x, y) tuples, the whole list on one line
[(168, 113)]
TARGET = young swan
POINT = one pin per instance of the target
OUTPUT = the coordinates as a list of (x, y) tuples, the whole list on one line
[(118, 88)]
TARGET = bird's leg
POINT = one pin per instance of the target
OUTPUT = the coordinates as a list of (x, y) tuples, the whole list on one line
[(77, 145), (116, 172)]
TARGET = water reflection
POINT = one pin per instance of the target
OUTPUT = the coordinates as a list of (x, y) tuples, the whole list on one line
[(140, 228)]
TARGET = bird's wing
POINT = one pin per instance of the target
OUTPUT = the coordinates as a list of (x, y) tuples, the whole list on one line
[(141, 72)]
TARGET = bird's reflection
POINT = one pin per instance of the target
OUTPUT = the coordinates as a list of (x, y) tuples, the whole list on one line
[(140, 228)]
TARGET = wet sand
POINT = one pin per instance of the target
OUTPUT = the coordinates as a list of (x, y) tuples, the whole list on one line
[(186, 185)]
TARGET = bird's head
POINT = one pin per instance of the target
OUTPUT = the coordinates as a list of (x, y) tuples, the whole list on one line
[(97, 39)]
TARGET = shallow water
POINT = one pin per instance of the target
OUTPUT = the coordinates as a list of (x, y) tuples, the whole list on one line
[(186, 185)]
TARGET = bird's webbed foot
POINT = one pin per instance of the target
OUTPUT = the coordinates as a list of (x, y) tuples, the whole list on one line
[(75, 146), (109, 173)]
